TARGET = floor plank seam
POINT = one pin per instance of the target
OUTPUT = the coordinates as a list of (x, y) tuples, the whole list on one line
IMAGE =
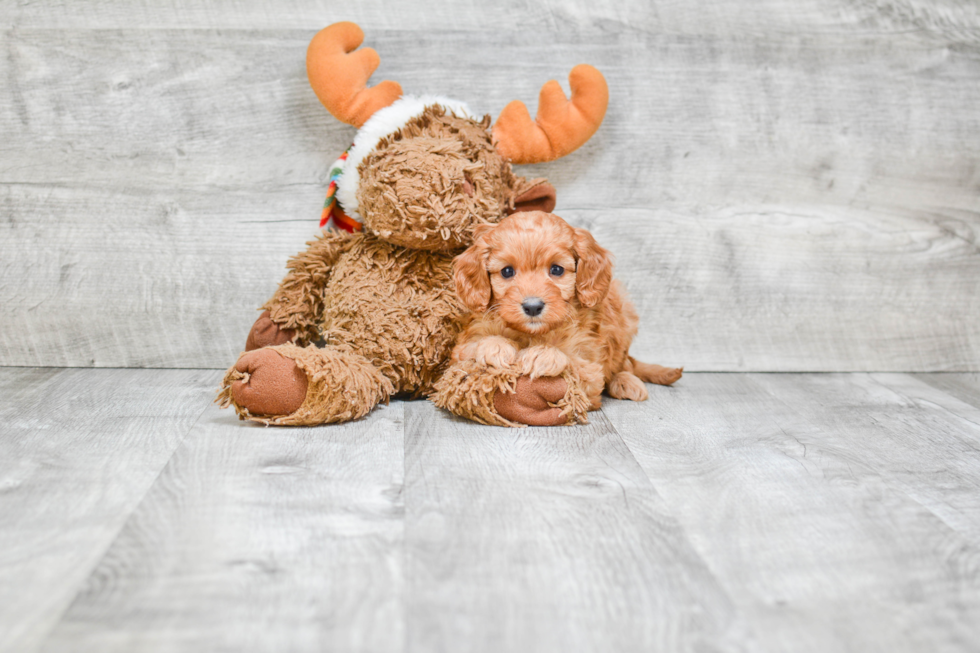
[(122, 526), (919, 403)]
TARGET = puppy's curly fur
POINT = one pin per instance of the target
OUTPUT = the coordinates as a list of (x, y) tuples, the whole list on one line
[(544, 299)]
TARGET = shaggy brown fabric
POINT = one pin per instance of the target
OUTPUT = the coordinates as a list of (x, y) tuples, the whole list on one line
[(470, 390), (427, 185), (372, 304), (298, 302), (396, 307), (342, 386)]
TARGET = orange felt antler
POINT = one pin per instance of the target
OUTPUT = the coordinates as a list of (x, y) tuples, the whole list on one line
[(561, 125), (339, 75)]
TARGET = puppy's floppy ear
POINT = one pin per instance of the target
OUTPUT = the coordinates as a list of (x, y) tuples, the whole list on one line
[(481, 230), (470, 273), (594, 271)]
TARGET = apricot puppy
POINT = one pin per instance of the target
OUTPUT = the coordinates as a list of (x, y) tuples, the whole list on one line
[(543, 299)]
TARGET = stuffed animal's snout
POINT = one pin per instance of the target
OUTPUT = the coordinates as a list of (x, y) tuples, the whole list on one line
[(429, 184)]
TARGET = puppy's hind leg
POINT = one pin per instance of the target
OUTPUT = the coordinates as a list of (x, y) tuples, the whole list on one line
[(655, 373), (626, 385)]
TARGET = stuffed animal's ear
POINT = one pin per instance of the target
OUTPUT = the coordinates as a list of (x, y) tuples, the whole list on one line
[(470, 276), (593, 273), (534, 195)]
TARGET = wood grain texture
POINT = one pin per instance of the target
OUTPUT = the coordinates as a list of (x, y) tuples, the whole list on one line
[(838, 513), (151, 283), (78, 451), (257, 539), (547, 539), (798, 288), (731, 512), (901, 439), (786, 185), (944, 17)]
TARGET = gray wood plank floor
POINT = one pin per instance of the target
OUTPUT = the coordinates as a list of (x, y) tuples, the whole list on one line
[(733, 512)]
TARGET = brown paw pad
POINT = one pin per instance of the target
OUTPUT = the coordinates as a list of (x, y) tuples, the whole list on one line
[(271, 385), (529, 404), (266, 333)]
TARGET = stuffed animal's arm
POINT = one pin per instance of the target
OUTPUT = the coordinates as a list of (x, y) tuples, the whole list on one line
[(502, 396), (298, 302)]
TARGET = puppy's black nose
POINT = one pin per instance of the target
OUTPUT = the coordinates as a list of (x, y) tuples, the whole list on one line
[(532, 306)]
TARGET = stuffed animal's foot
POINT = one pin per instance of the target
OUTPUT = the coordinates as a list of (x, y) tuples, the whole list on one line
[(533, 401), (266, 333), (290, 385), (264, 383), (505, 397)]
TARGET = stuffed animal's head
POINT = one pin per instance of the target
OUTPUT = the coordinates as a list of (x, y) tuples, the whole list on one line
[(423, 172)]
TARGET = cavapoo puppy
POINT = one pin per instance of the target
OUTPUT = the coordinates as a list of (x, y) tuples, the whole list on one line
[(543, 298)]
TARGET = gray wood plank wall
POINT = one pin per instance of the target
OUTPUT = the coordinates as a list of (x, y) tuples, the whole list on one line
[(786, 185)]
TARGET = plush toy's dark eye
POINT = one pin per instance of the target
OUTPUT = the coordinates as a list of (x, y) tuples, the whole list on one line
[(507, 272), (557, 270)]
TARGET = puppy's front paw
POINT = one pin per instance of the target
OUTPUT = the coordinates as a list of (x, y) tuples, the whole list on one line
[(495, 352), (542, 360)]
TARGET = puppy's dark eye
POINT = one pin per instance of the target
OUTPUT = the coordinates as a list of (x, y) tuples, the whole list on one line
[(557, 270), (507, 272)]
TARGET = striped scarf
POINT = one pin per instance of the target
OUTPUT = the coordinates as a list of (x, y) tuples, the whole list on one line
[(331, 207)]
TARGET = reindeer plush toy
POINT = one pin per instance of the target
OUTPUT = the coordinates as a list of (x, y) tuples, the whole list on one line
[(369, 310)]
